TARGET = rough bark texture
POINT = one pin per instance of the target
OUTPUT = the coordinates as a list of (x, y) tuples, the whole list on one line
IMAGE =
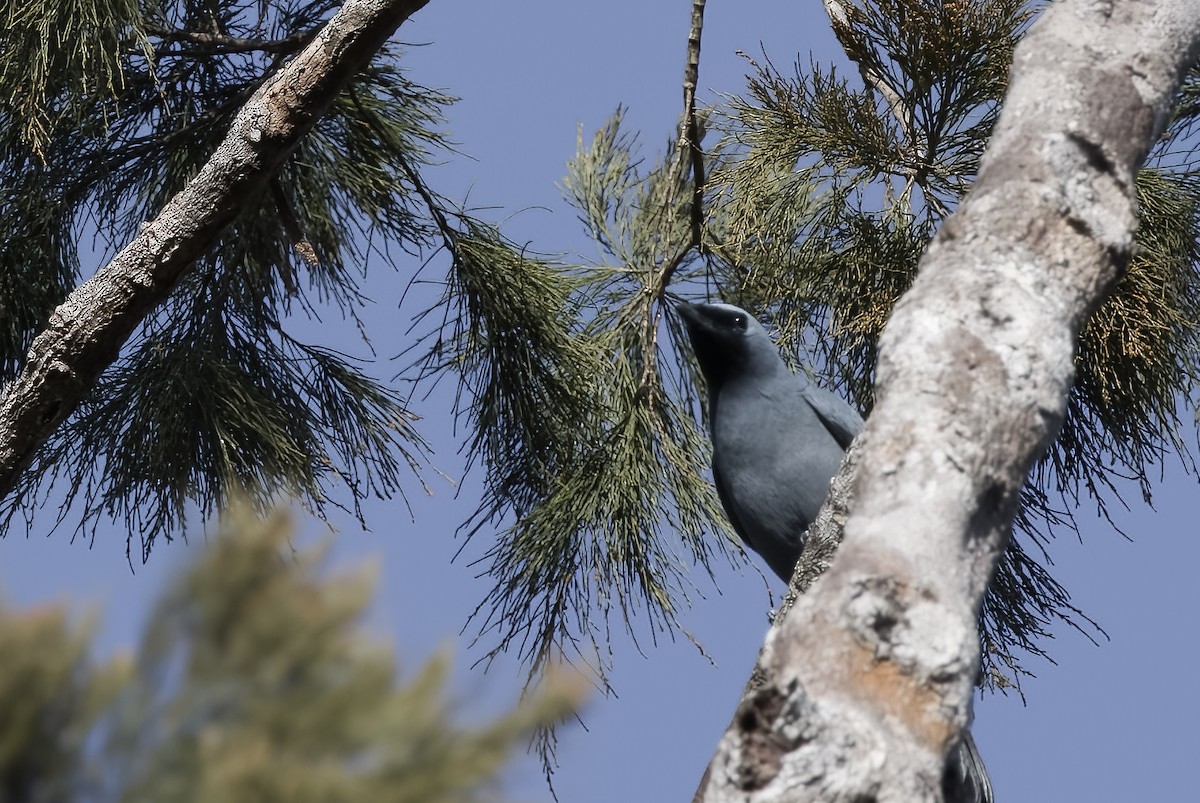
[(85, 334), (868, 679)]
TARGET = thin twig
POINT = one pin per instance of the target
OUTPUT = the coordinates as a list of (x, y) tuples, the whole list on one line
[(692, 133), (839, 19), (447, 232), (207, 44), (688, 157), (689, 148)]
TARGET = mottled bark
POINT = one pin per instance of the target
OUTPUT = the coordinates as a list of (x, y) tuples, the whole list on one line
[(868, 680), (85, 334)]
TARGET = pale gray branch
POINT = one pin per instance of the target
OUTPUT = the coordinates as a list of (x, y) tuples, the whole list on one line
[(868, 680)]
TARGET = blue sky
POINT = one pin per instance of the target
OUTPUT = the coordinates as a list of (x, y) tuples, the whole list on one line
[(1107, 723)]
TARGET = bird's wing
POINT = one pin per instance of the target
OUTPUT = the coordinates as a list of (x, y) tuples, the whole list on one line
[(841, 420), (727, 503)]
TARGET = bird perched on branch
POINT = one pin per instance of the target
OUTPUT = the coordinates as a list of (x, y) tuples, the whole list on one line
[(778, 440)]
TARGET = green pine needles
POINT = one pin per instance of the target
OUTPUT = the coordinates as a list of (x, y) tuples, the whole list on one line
[(215, 392), (581, 419)]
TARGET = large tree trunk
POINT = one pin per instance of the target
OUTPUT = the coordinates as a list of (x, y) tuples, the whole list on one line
[(868, 679), (86, 332)]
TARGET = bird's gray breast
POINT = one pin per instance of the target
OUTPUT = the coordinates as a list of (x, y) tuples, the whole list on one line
[(773, 458)]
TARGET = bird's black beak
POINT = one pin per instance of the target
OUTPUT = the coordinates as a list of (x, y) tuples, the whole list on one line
[(690, 313)]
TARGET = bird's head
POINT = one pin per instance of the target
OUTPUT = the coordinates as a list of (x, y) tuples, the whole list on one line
[(729, 342)]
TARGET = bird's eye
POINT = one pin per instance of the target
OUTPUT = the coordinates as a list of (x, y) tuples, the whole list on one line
[(739, 322)]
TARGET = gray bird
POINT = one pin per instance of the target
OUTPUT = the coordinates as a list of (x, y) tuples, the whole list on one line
[(778, 440)]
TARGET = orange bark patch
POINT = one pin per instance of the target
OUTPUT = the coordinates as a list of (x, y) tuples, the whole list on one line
[(889, 690)]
